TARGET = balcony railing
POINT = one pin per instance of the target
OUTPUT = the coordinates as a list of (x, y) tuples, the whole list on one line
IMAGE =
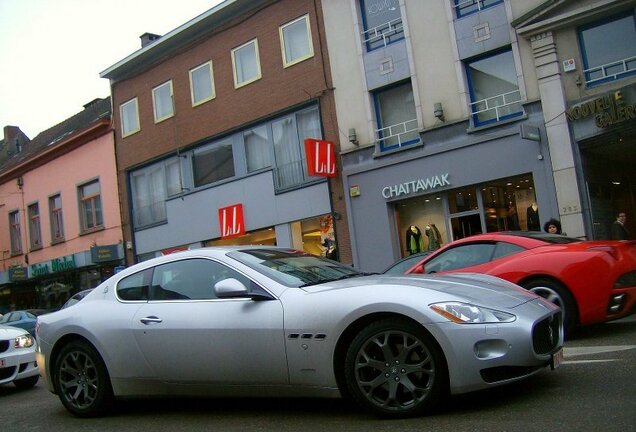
[(289, 175), (398, 134), (610, 71), (384, 34), (501, 105), (467, 7)]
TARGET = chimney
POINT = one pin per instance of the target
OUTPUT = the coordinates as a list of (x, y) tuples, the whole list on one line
[(148, 38)]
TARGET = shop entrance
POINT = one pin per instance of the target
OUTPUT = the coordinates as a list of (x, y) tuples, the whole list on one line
[(466, 226), (608, 167)]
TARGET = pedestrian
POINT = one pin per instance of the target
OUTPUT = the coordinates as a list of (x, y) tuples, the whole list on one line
[(619, 231), (552, 226)]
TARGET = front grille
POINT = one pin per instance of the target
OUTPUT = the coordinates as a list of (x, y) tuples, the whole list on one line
[(546, 334), (4, 345)]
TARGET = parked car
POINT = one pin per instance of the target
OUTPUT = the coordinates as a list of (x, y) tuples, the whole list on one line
[(401, 265), (592, 281), (76, 298), (22, 319), (257, 320), (17, 357)]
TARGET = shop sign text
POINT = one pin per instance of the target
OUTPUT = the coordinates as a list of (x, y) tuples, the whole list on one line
[(416, 186), (608, 110), (18, 274), (231, 221), (57, 265), (321, 157)]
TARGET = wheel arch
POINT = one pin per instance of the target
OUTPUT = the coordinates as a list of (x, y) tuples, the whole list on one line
[(553, 279), (59, 345), (354, 328)]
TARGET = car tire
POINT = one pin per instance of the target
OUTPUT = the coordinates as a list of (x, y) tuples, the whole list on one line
[(556, 293), (25, 383), (81, 380), (394, 368)]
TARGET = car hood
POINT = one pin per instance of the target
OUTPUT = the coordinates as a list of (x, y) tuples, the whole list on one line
[(471, 287), (8, 332)]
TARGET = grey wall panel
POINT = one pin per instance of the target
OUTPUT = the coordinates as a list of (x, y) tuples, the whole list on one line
[(194, 217)]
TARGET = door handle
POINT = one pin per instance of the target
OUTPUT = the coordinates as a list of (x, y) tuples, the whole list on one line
[(151, 320)]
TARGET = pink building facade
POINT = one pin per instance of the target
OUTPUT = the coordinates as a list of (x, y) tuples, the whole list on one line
[(60, 223)]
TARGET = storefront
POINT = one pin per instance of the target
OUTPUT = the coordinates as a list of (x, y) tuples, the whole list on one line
[(456, 185), (604, 128), (48, 284)]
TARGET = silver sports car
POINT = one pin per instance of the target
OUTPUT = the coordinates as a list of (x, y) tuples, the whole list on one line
[(253, 320)]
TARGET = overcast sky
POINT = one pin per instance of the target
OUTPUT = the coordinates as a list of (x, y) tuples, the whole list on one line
[(52, 51)]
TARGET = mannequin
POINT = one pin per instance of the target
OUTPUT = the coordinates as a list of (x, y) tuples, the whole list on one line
[(434, 237), (533, 218), (414, 241)]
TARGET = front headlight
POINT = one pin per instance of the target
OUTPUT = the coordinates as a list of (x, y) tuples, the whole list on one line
[(465, 313), (24, 341)]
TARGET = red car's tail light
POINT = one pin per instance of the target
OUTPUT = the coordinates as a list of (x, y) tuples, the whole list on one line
[(609, 249)]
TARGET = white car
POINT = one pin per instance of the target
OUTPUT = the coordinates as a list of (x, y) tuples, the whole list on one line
[(17, 357), (267, 321)]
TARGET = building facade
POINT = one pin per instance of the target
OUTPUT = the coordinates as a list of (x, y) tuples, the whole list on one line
[(585, 57), (454, 127), (60, 224), (210, 123)]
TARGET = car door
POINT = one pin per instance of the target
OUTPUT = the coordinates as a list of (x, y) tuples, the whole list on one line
[(189, 335)]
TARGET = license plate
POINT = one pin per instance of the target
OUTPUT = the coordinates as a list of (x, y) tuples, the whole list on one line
[(557, 359)]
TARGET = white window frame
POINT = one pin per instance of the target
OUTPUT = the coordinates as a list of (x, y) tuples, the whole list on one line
[(258, 75), (15, 231), (210, 66), (155, 99), (35, 230), (93, 203), (57, 218), (281, 31), (126, 130)]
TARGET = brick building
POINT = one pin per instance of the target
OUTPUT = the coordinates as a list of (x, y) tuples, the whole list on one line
[(210, 120)]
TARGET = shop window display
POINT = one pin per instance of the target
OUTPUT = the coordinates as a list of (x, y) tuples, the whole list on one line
[(428, 222)]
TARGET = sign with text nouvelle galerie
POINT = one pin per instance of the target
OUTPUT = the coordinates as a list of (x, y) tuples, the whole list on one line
[(321, 158)]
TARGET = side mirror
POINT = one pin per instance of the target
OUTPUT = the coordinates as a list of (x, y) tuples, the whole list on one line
[(419, 269), (230, 288)]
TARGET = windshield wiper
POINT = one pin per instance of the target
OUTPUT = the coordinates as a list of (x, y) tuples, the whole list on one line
[(347, 276)]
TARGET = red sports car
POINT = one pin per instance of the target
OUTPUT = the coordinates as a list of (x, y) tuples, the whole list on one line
[(592, 281)]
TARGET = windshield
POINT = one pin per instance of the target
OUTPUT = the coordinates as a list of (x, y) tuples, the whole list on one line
[(293, 268)]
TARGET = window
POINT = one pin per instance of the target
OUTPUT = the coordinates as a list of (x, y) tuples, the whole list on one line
[(494, 90), (35, 233), (467, 7), (382, 21), (134, 287), (15, 232), (257, 148), (129, 113), (151, 186), (202, 84), (90, 206), (191, 279), (162, 101), (461, 257), (295, 40), (57, 223), (609, 49), (246, 64), (213, 163), (396, 117)]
